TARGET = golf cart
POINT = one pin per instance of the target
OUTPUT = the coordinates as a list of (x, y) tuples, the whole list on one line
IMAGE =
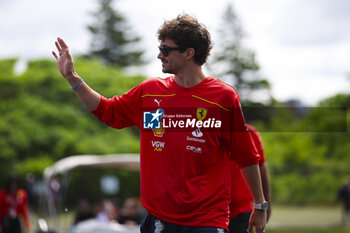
[(61, 171)]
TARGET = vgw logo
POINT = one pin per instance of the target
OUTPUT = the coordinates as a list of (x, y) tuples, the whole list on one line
[(158, 146), (151, 120)]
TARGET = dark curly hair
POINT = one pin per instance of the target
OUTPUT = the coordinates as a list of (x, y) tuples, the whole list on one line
[(187, 32), (11, 180)]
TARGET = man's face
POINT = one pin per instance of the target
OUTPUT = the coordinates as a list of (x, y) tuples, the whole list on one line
[(171, 57)]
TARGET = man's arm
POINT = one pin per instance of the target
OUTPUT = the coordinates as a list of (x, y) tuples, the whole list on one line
[(265, 180), (85, 94), (257, 219)]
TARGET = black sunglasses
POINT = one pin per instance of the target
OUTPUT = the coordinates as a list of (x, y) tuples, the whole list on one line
[(166, 50)]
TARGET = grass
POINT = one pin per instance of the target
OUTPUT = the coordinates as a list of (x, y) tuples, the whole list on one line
[(284, 219), (332, 230), (306, 219), (62, 224)]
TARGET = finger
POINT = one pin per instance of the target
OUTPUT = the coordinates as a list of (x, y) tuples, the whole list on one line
[(250, 227), (58, 46), (259, 229), (62, 43), (55, 55)]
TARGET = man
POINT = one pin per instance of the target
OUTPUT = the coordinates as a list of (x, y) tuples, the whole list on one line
[(191, 126), (344, 197), (241, 198), (13, 207)]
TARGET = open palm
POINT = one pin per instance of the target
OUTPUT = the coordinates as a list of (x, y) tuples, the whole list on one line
[(64, 59)]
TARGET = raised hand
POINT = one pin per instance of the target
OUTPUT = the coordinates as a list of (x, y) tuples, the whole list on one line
[(64, 59)]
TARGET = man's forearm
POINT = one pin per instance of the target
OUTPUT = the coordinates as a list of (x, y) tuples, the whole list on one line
[(89, 98), (251, 175), (265, 179)]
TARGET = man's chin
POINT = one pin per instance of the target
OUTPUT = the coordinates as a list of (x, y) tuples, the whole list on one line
[(166, 71)]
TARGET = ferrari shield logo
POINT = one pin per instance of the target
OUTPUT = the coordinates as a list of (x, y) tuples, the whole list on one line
[(201, 113)]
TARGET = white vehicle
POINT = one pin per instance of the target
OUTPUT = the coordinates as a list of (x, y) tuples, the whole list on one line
[(62, 168)]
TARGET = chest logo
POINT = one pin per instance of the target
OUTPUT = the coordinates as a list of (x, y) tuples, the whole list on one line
[(159, 132), (158, 146), (157, 101), (201, 113)]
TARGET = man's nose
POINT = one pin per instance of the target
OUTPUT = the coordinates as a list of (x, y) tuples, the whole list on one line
[(160, 55)]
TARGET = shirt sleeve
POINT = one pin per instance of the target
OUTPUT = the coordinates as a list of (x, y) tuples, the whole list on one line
[(121, 111), (243, 150), (259, 145)]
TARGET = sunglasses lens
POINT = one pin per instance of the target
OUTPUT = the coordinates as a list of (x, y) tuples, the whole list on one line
[(164, 51)]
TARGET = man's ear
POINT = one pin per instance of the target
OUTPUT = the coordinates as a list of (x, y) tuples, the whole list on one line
[(189, 53)]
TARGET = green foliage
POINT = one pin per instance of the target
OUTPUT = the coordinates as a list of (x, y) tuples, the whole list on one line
[(42, 120), (7, 69), (8, 82), (34, 165), (110, 40), (314, 188), (309, 161)]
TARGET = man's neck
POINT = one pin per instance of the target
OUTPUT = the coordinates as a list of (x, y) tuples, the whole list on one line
[(189, 78)]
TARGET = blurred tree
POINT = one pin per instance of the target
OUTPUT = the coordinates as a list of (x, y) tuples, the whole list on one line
[(315, 150), (332, 119), (111, 40), (236, 64), (8, 84), (42, 121)]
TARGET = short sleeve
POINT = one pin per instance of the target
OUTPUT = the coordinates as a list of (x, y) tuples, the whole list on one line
[(258, 143), (121, 111), (243, 150)]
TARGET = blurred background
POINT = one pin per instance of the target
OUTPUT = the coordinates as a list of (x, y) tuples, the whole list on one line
[(287, 59)]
